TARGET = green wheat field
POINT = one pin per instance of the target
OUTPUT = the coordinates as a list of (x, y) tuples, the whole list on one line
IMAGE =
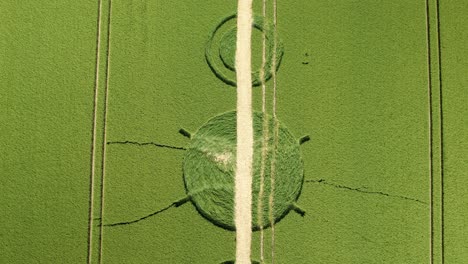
[(93, 95)]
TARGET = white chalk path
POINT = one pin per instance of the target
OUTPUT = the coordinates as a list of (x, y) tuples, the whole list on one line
[(244, 160)]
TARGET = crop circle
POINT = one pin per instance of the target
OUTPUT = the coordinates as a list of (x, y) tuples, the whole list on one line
[(209, 171), (221, 60)]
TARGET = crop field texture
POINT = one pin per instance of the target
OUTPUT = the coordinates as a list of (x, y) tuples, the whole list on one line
[(102, 101)]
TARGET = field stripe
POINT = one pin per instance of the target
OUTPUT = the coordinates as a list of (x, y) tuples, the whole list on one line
[(441, 135), (104, 132), (243, 178), (93, 140), (431, 136), (275, 132), (265, 136)]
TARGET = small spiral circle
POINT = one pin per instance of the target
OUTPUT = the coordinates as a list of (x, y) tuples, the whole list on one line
[(220, 51)]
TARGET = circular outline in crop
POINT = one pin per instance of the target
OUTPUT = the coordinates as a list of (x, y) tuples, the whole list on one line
[(222, 74), (209, 171)]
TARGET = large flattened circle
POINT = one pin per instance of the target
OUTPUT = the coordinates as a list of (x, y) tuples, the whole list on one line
[(209, 171)]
